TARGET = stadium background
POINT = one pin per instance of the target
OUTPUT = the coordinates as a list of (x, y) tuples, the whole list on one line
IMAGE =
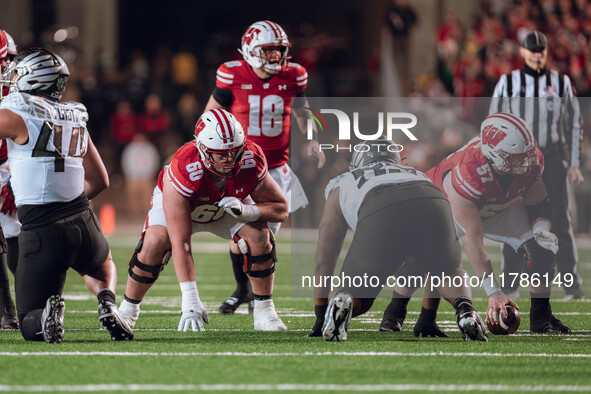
[(123, 51), (140, 51)]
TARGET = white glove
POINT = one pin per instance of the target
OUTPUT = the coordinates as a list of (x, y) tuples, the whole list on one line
[(243, 212), (193, 310), (544, 237)]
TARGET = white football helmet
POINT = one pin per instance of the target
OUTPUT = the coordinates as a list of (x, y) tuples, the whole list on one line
[(218, 131), (368, 152), (260, 36), (508, 144), (39, 72)]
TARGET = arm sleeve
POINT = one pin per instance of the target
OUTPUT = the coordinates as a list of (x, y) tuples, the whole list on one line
[(299, 100), (223, 96)]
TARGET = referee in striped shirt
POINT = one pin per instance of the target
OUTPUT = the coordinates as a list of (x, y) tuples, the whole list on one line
[(545, 99)]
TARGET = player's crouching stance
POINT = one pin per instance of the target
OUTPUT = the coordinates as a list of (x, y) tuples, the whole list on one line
[(390, 207), (52, 187), (495, 188), (217, 183)]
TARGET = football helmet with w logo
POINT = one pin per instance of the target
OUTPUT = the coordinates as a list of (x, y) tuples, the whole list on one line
[(260, 38), (219, 132), (508, 144)]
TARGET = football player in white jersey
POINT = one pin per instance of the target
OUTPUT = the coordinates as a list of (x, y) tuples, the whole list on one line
[(55, 170), (386, 203)]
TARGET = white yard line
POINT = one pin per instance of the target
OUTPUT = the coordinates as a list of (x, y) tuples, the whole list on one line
[(293, 354), (294, 387)]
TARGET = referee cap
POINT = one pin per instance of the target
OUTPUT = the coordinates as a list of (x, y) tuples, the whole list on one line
[(535, 41)]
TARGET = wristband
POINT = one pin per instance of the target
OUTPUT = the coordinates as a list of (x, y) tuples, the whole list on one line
[(490, 285)]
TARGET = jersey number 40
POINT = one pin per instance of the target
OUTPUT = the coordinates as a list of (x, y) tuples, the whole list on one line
[(76, 148)]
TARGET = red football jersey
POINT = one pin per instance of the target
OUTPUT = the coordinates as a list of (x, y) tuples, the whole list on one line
[(263, 108), (473, 178), (188, 175)]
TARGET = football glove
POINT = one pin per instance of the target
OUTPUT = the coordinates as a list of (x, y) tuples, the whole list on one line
[(193, 310), (243, 212), (544, 237), (8, 205)]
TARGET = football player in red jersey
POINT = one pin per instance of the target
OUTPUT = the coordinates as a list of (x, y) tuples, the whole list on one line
[(8, 221), (259, 91), (217, 183), (495, 187)]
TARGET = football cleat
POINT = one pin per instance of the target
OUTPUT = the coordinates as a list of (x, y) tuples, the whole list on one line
[(111, 319), (266, 318), (391, 325), (548, 325), (428, 329), (9, 320), (229, 306), (337, 318), (52, 319), (470, 323)]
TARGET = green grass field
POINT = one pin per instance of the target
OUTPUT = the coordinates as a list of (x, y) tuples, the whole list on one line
[(231, 357)]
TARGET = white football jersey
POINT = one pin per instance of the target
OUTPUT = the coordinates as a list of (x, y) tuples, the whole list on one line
[(48, 167), (354, 185)]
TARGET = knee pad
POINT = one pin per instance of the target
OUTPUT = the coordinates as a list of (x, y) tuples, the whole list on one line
[(539, 260), (154, 270), (249, 259)]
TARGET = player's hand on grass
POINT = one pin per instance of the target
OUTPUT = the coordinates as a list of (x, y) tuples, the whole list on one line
[(193, 319), (193, 310)]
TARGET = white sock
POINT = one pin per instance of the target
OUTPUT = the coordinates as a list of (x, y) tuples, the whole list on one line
[(129, 309)]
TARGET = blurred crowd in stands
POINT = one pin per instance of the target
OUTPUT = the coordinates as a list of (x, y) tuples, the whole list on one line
[(141, 112)]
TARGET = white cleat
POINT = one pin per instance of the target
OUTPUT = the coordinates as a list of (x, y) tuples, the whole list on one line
[(337, 318), (265, 317), (470, 324), (111, 319), (52, 319)]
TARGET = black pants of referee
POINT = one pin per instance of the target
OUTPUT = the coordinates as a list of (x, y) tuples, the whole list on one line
[(555, 179), (391, 231)]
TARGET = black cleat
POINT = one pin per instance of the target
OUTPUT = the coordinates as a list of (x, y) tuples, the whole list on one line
[(229, 306), (52, 319), (112, 320), (430, 329), (550, 325), (391, 325), (8, 321)]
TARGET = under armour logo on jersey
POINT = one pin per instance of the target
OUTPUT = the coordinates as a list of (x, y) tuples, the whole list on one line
[(246, 86), (266, 86), (282, 87), (239, 191)]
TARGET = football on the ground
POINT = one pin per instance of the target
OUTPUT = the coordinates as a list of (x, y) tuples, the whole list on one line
[(507, 325)]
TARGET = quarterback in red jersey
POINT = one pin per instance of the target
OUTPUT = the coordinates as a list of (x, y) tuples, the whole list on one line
[(217, 183), (495, 188), (259, 91)]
